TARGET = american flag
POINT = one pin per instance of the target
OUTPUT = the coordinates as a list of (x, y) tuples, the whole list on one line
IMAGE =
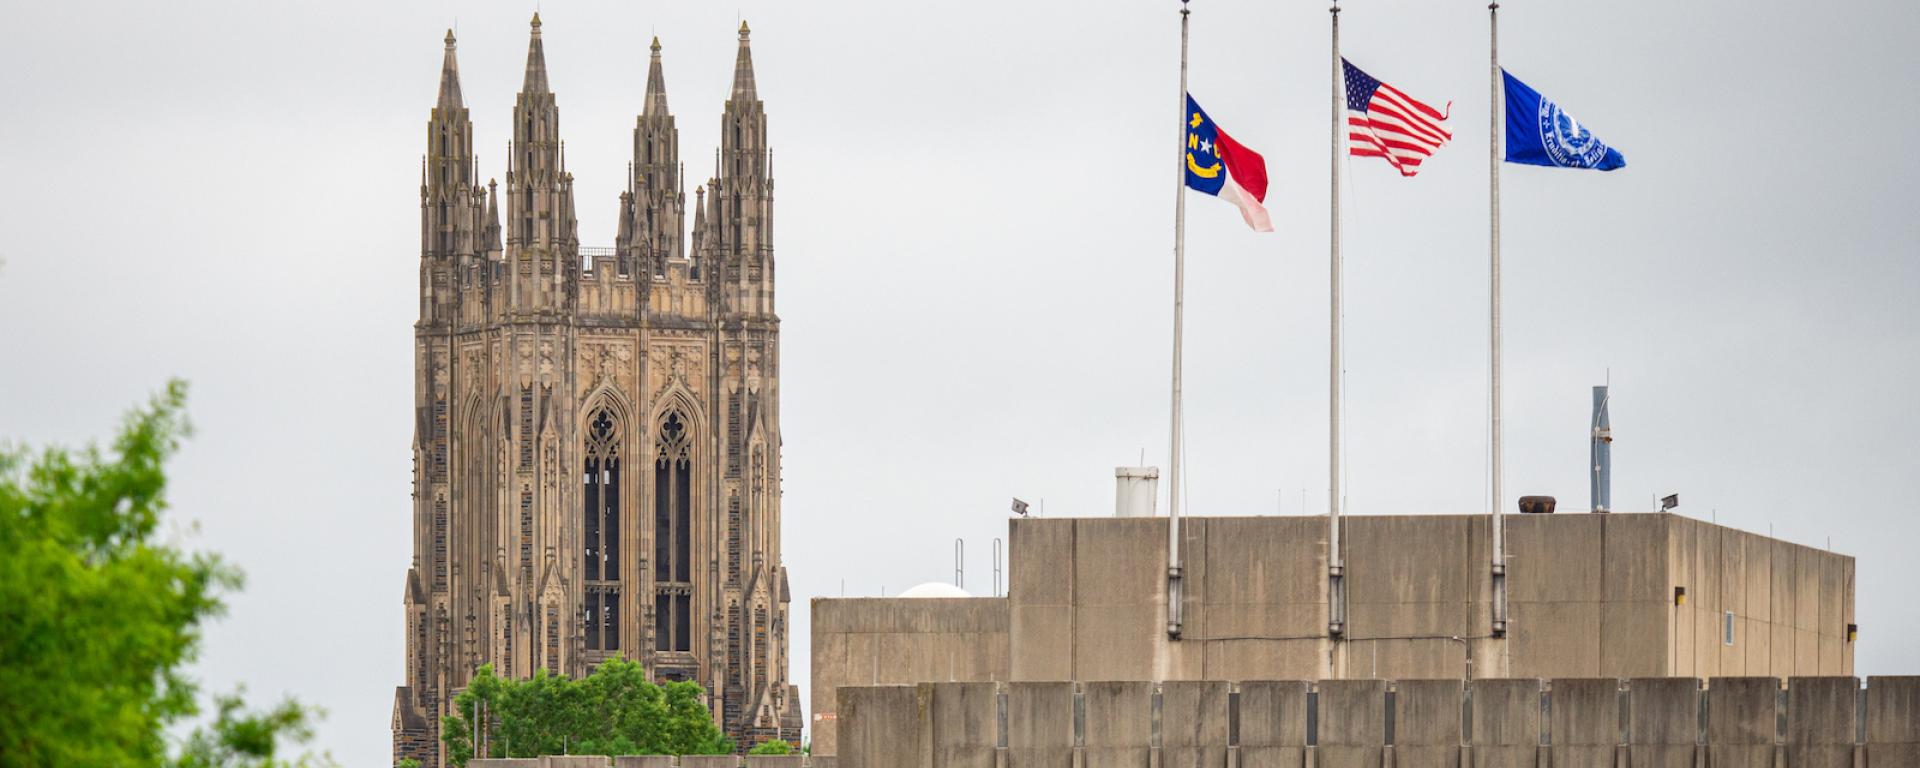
[(1383, 122)]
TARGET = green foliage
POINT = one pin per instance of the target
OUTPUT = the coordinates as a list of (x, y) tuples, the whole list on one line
[(97, 617), (614, 711), (100, 613), (772, 747), (240, 739), (408, 762)]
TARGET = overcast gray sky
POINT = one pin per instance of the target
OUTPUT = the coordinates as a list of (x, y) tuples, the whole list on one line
[(975, 247)]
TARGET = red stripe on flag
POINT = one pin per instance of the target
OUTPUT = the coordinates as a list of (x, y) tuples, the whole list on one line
[(1246, 166)]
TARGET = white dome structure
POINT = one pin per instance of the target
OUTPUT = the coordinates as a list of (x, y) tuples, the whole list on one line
[(935, 589)]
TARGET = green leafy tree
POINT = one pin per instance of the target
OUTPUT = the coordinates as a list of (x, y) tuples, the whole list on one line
[(772, 747), (100, 614), (614, 711), (240, 739)]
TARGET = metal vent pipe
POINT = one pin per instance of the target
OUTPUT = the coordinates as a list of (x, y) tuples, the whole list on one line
[(1600, 455)]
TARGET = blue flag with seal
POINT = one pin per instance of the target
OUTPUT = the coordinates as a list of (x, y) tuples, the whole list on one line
[(1539, 132)]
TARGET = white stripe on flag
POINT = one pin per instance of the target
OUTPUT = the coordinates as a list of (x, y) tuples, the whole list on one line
[(1251, 210)]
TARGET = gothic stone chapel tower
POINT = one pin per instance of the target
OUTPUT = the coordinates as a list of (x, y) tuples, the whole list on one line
[(597, 432)]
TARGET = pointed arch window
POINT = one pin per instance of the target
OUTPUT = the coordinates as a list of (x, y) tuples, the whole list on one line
[(672, 529), (601, 529)]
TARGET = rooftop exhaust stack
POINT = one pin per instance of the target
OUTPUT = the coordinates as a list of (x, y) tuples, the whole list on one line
[(1601, 454), (1135, 490)]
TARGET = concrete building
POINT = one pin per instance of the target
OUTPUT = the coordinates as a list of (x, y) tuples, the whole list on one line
[(1588, 596), (1661, 722), (597, 431)]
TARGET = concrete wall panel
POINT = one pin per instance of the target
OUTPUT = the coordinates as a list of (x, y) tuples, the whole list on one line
[(1381, 569), (1755, 640), (1252, 659), (706, 761), (1584, 722), (1119, 724), (1742, 717), (1732, 597), (1506, 723), (1638, 602), (1194, 724), (1846, 602), (1555, 639), (1683, 570), (1037, 573), (1120, 591), (575, 761), (966, 725), (1634, 563), (775, 761), (883, 727), (1634, 638), (1663, 722), (1427, 723), (1273, 724), (1555, 558), (1893, 721), (876, 641), (1260, 578), (643, 761), (1784, 611), (1353, 728), (1040, 593), (1040, 725), (1820, 721)]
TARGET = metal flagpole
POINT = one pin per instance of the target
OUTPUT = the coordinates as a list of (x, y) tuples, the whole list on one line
[(1179, 291), (1494, 110), (1336, 490)]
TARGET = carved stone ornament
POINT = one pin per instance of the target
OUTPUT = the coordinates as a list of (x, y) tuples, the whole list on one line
[(605, 360)]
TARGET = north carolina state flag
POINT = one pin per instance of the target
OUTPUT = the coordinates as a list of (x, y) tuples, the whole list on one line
[(1224, 168)]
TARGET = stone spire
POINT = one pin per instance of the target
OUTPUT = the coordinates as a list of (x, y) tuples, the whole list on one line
[(658, 205), (656, 102), (536, 81), (541, 241), (743, 69), (450, 79)]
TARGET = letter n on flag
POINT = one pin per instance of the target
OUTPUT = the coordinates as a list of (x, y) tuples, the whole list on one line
[(1224, 168)]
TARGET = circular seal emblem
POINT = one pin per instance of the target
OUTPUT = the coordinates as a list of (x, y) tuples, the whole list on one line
[(1568, 142)]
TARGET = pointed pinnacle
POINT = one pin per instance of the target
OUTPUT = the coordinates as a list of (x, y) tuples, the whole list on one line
[(743, 68), (449, 78), (656, 98), (536, 79), (743, 29)]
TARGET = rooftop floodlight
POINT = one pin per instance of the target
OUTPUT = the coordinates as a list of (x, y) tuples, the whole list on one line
[(1019, 507), (1667, 503)]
